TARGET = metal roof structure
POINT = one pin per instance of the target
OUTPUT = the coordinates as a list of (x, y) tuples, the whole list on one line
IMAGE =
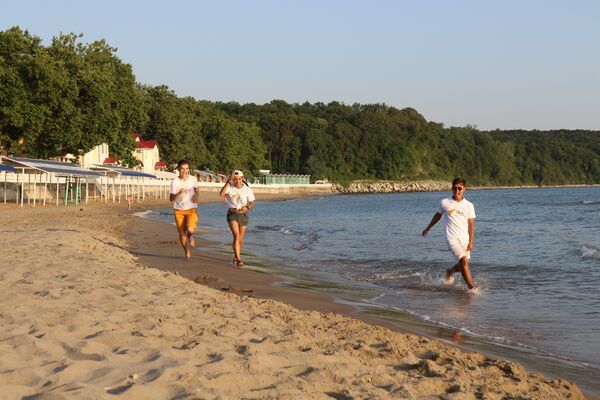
[(123, 171), (7, 168), (55, 167)]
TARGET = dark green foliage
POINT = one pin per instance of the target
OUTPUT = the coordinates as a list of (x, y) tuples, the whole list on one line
[(375, 141), (64, 98), (69, 97)]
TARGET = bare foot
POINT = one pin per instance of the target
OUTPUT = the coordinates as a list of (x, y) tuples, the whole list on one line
[(449, 278), (188, 255), (192, 242)]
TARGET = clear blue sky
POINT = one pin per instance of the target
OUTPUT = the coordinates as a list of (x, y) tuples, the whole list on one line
[(494, 64)]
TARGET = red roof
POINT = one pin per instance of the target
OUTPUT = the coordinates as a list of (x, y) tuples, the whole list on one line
[(111, 160), (145, 144), (160, 164)]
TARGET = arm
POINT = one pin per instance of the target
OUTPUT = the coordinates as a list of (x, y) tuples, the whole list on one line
[(434, 220), (471, 233), (196, 194), (223, 191), (248, 207), (173, 196)]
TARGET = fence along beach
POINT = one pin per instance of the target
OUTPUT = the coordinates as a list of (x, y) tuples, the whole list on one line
[(33, 182)]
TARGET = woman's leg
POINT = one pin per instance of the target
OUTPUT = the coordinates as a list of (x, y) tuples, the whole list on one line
[(241, 243), (235, 231)]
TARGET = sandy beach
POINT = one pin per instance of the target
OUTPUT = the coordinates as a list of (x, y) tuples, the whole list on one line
[(84, 313)]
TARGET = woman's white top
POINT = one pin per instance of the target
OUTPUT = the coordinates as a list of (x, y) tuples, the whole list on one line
[(238, 198)]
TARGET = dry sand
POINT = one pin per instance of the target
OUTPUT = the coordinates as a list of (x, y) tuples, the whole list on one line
[(81, 317)]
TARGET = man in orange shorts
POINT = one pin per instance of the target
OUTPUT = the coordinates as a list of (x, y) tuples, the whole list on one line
[(184, 195)]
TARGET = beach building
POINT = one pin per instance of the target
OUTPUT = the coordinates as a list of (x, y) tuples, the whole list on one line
[(147, 154), (209, 176), (111, 161), (95, 156), (284, 179), (160, 166)]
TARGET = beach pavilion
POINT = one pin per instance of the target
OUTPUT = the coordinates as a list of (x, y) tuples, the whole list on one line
[(34, 179), (5, 169), (127, 182)]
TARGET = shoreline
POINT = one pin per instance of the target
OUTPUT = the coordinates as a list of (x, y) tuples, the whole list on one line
[(82, 317), (271, 285)]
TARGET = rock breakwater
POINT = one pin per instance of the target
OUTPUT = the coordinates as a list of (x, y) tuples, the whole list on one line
[(391, 186)]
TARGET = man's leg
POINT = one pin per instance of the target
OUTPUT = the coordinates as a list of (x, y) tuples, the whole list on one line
[(184, 243), (456, 268), (466, 272), (191, 222), (180, 221)]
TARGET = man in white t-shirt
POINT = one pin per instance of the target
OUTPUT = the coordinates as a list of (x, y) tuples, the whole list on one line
[(184, 195), (459, 221)]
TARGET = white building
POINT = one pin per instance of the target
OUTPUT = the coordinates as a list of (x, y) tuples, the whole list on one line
[(146, 152), (97, 155)]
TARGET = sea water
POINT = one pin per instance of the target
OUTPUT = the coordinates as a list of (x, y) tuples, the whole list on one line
[(536, 262)]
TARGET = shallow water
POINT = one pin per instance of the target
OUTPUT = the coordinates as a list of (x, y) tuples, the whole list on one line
[(536, 262)]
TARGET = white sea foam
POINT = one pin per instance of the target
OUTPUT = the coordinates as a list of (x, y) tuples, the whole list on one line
[(143, 214), (587, 202), (589, 251), (389, 276)]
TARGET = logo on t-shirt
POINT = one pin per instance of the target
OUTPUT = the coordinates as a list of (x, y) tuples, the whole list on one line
[(450, 212)]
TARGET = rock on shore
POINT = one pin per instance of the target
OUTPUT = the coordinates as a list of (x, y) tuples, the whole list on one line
[(392, 186)]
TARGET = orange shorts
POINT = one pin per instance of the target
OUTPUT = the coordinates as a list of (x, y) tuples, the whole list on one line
[(186, 219)]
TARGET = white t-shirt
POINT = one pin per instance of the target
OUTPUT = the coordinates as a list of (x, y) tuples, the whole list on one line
[(238, 198), (456, 218), (184, 200)]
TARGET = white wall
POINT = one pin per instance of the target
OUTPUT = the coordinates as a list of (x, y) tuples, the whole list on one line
[(95, 156)]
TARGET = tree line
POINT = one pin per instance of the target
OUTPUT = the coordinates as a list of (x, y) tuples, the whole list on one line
[(69, 96)]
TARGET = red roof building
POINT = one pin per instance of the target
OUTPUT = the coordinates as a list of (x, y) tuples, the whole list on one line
[(111, 161), (160, 166), (145, 144), (147, 154)]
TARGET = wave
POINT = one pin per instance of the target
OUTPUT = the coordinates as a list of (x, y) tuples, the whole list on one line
[(144, 214), (589, 202), (402, 275), (304, 238), (268, 228), (589, 251)]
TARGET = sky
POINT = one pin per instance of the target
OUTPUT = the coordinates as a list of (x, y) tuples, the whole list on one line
[(494, 64)]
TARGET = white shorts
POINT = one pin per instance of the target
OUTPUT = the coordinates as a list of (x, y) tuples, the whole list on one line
[(458, 248)]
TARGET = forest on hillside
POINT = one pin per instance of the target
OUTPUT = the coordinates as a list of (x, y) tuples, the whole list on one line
[(68, 96)]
